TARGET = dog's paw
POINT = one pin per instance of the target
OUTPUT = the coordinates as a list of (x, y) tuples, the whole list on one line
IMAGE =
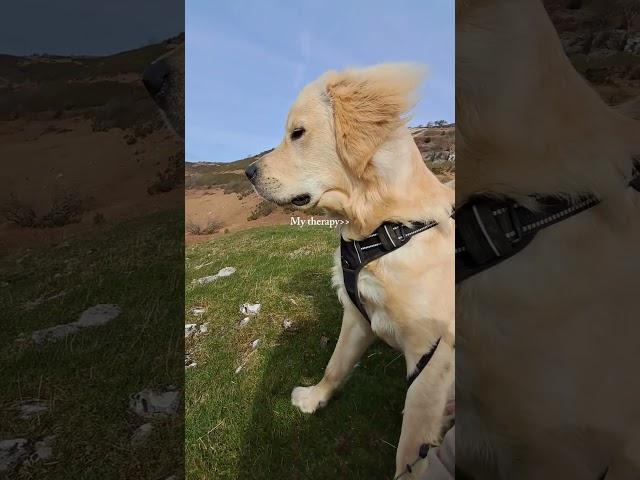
[(307, 399)]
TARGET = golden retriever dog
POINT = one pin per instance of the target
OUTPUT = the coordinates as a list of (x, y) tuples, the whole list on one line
[(347, 150), (545, 339)]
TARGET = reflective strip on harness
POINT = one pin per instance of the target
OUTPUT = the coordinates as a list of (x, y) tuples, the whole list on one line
[(489, 231)]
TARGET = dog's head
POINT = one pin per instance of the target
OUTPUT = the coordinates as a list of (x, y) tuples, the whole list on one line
[(164, 79), (332, 133)]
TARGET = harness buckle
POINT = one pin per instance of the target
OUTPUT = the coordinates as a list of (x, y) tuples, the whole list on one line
[(390, 238)]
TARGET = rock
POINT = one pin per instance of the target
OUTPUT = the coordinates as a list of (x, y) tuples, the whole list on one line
[(287, 324), (226, 271), (149, 403), (98, 315), (223, 272), (608, 42), (13, 452), (92, 317), (250, 308), (600, 39), (244, 322), (633, 43), (192, 329), (188, 361), (617, 40), (19, 451), (43, 449), (255, 344), (54, 333), (576, 42), (301, 252), (32, 408), (198, 311), (141, 434), (208, 279)]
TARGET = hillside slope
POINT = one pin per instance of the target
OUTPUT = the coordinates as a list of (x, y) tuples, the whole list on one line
[(219, 199), (81, 130), (602, 39)]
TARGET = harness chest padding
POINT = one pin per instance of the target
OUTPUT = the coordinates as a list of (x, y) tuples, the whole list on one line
[(355, 255), (482, 236), (485, 238)]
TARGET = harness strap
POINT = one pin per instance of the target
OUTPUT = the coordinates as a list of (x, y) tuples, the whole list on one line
[(355, 255), (489, 230), (422, 363)]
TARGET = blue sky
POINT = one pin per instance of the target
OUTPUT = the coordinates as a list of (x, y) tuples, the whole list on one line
[(248, 59), (81, 27)]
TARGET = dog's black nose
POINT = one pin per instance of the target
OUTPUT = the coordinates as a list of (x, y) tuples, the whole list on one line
[(155, 75), (251, 172)]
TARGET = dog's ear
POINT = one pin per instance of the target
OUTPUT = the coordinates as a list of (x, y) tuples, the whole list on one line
[(368, 106)]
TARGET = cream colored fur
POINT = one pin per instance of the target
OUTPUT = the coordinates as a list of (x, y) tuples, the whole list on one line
[(358, 161), (545, 339)]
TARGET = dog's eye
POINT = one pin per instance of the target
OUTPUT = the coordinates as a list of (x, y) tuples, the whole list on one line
[(297, 133)]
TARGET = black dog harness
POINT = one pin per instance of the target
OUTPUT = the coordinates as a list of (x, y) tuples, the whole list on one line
[(489, 230), (356, 255)]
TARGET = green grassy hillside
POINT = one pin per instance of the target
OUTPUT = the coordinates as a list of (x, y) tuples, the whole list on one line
[(86, 378), (242, 425)]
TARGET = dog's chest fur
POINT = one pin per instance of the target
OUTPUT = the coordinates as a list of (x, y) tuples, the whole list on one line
[(405, 293)]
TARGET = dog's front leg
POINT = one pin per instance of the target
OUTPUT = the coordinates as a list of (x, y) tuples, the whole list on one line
[(355, 337), (424, 411)]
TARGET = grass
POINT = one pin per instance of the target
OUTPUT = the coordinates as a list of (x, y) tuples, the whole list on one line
[(86, 379), (243, 425)]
